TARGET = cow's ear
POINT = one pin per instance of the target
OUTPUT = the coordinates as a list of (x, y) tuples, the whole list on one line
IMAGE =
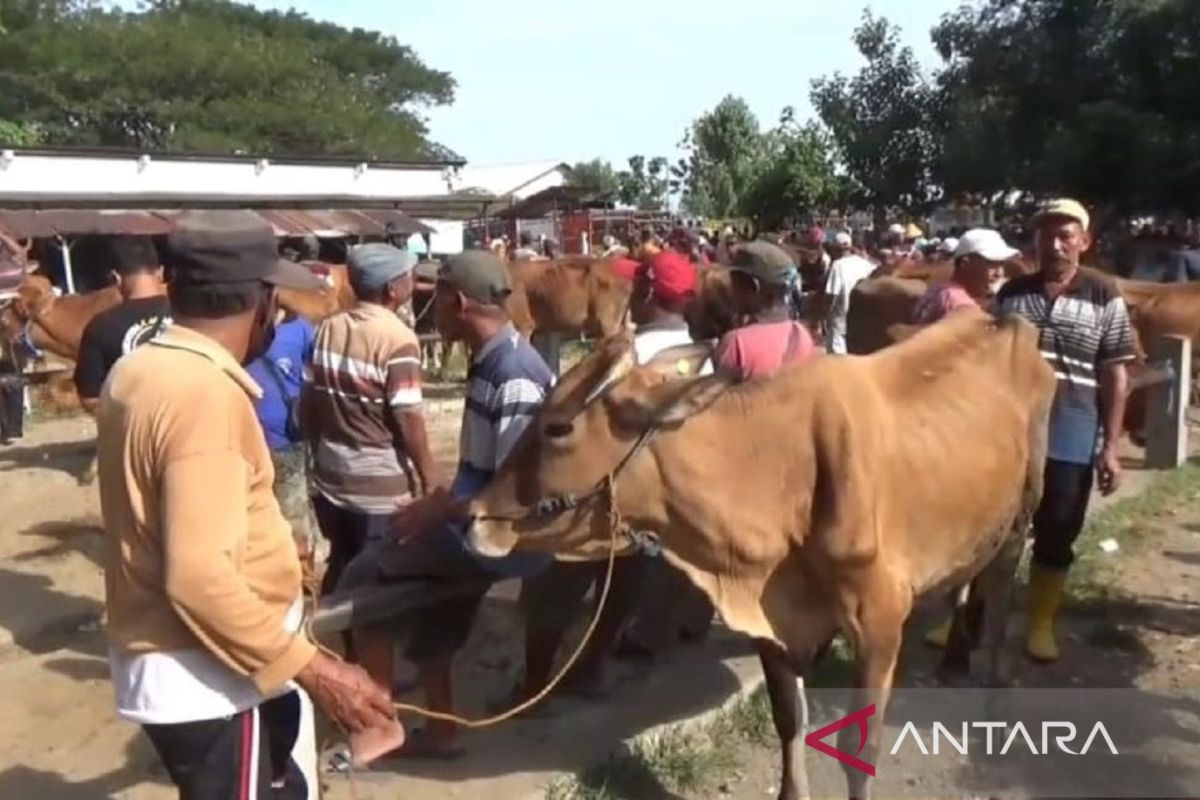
[(692, 398), (681, 361), (668, 403)]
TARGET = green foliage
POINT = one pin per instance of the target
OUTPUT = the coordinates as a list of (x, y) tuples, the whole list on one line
[(212, 75), (597, 175), (726, 152), (645, 185), (796, 176), (1093, 98), (883, 121)]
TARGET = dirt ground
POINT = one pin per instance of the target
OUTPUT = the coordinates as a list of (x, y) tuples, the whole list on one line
[(62, 740)]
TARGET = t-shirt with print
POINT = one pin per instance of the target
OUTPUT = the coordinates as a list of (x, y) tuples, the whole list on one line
[(366, 369), (939, 301), (280, 373), (1084, 328), (762, 349), (113, 333), (506, 385)]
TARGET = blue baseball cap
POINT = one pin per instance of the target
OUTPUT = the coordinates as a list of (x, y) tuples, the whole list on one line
[(376, 264)]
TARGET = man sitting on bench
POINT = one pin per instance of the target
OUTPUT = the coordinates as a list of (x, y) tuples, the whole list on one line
[(506, 383)]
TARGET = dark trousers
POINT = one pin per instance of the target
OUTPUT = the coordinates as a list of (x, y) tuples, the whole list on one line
[(348, 532), (243, 757), (1059, 518), (553, 599), (12, 407)]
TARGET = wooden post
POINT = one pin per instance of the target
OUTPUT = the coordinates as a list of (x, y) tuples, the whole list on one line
[(1167, 405), (547, 345)]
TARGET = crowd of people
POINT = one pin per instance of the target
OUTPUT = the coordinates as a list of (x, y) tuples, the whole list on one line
[(231, 436)]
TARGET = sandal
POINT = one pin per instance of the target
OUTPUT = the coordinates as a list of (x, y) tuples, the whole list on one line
[(420, 746)]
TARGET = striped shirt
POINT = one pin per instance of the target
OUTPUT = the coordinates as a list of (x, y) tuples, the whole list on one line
[(1084, 328), (506, 385), (366, 369)]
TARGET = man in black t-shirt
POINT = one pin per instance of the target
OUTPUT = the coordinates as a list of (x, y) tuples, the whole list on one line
[(141, 316)]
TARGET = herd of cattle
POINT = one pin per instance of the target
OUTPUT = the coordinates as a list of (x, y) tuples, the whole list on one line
[(794, 543), (584, 296)]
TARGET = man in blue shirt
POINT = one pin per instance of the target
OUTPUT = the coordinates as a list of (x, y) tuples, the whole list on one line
[(280, 373), (506, 384)]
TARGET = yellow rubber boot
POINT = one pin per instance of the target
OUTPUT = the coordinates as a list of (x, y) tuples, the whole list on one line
[(939, 636), (1045, 596)]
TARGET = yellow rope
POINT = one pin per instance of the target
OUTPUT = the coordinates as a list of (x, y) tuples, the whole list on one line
[(614, 519)]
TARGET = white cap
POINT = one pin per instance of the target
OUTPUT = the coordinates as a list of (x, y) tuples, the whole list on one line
[(896, 230), (842, 239), (948, 245), (986, 243)]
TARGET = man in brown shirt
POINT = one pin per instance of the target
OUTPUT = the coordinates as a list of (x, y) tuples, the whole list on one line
[(363, 409), (203, 581)]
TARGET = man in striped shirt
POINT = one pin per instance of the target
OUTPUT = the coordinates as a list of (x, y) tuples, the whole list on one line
[(362, 409), (1086, 337), (506, 384)]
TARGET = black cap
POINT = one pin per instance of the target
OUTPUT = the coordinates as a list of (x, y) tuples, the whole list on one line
[(479, 275), (230, 247)]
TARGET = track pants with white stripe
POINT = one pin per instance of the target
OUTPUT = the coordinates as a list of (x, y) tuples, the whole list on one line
[(258, 754)]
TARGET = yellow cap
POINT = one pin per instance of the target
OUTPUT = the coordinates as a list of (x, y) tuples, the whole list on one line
[(1065, 207), (912, 232)]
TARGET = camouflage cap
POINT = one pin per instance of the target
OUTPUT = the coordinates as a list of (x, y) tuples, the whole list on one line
[(479, 275), (768, 263)]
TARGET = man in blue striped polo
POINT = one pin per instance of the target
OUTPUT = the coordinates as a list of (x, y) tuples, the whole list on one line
[(506, 384)]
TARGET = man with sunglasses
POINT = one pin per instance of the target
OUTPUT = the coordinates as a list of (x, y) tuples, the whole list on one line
[(1086, 337)]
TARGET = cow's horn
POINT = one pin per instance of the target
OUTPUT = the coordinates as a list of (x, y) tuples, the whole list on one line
[(615, 374)]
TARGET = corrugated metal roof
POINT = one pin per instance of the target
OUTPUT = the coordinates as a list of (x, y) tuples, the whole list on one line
[(332, 223), (79, 222)]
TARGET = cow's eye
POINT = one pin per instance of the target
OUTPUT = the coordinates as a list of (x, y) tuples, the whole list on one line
[(557, 430)]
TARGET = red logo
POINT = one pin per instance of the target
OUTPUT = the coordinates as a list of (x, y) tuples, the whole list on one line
[(859, 718)]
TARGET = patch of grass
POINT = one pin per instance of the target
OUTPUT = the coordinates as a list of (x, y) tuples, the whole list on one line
[(676, 760), (1131, 522), (749, 720)]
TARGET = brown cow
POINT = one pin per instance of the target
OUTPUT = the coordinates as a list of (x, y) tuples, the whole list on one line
[(571, 296), (315, 305), (39, 317), (790, 501), (877, 304)]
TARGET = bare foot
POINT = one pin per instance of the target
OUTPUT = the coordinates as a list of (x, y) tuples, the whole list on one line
[(370, 744)]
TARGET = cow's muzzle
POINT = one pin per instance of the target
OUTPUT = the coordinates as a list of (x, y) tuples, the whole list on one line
[(490, 538)]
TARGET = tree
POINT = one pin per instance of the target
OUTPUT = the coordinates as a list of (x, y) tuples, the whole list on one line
[(726, 150), (884, 121), (597, 175), (1093, 98), (212, 75), (798, 176), (645, 185)]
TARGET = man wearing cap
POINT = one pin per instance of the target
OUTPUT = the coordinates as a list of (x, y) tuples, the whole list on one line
[(762, 284), (979, 259), (1086, 337), (847, 270), (362, 409), (202, 579), (506, 384)]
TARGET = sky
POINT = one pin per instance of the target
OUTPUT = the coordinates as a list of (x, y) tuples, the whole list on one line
[(573, 80)]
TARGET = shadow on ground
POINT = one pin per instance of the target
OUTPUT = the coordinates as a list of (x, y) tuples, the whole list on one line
[(71, 458), (141, 764), (567, 732)]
